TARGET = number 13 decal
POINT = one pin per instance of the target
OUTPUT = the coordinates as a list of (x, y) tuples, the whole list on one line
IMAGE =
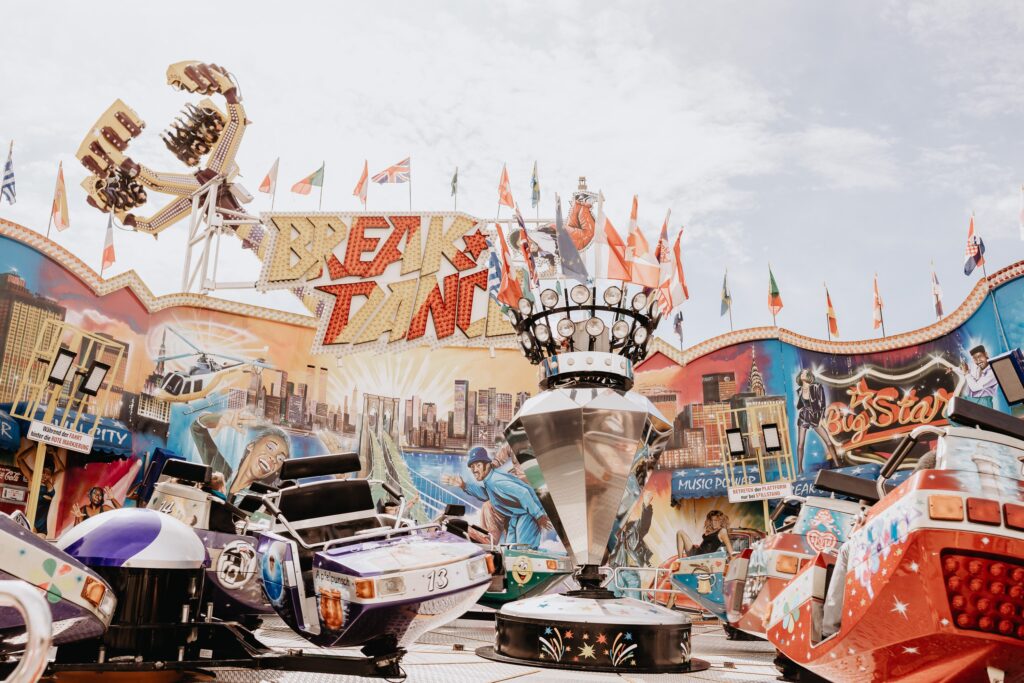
[(437, 579)]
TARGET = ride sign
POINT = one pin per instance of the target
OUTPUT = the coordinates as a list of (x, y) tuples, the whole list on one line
[(60, 436)]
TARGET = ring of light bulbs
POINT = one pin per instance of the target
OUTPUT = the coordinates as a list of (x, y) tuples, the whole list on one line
[(566, 322)]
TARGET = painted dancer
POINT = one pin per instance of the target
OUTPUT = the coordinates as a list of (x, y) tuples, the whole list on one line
[(810, 406), (980, 384), (716, 536), (263, 456)]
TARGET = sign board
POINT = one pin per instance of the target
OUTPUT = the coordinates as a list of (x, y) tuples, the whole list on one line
[(769, 491), (60, 437)]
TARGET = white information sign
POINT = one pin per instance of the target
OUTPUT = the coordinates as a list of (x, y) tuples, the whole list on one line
[(60, 436), (776, 489)]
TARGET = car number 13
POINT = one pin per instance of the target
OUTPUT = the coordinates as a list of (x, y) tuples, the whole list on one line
[(437, 579)]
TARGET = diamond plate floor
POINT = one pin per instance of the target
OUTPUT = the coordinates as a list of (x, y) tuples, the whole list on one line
[(447, 656)]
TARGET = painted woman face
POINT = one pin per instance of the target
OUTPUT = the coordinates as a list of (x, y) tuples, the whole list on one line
[(263, 459)]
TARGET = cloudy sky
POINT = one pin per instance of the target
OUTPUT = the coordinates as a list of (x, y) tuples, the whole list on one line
[(832, 140)]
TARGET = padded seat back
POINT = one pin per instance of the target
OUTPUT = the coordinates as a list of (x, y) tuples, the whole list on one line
[(326, 499)]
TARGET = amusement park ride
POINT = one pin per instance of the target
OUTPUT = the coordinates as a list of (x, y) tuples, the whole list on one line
[(914, 580)]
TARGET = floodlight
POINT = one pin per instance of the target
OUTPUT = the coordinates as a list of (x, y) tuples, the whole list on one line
[(639, 301), (640, 335), (93, 379), (524, 338), (612, 296), (542, 333), (735, 441), (525, 307), (549, 298), (595, 326), (620, 329), (1009, 371), (580, 294), (770, 438), (566, 328), (62, 365)]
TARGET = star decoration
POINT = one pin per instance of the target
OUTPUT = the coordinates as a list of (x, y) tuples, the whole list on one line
[(568, 635), (910, 650), (985, 540), (586, 636), (547, 631), (602, 638), (900, 607), (850, 650), (629, 636), (913, 566), (587, 651), (944, 621), (476, 243)]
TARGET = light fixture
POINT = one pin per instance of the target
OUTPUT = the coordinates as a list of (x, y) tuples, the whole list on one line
[(525, 307), (580, 294), (612, 296), (566, 328), (93, 379), (770, 437), (640, 335), (639, 301), (1009, 371), (594, 327), (524, 338), (620, 329), (549, 298), (734, 437), (62, 364), (542, 333)]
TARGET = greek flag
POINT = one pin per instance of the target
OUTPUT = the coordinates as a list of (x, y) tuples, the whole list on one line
[(7, 189)]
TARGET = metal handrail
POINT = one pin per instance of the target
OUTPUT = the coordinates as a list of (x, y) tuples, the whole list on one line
[(38, 629)]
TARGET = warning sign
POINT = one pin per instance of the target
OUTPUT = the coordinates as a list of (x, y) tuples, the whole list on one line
[(60, 436), (776, 489)]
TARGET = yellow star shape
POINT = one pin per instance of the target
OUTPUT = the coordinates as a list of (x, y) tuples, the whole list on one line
[(587, 651)]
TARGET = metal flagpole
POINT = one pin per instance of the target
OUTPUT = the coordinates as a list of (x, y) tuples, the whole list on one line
[(999, 318), (881, 319), (323, 172), (731, 328)]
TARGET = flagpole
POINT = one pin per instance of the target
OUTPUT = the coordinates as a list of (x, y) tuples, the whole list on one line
[(731, 328), (323, 172), (273, 195), (999, 318), (49, 223), (881, 319)]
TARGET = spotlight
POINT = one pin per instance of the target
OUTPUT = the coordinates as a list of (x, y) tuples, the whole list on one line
[(61, 366), (542, 333), (640, 335), (595, 326), (620, 329), (549, 298), (93, 379), (525, 307), (639, 301), (566, 328), (612, 296), (580, 294), (735, 440), (524, 338), (770, 438)]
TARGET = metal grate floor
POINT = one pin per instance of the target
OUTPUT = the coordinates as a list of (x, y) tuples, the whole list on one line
[(437, 659)]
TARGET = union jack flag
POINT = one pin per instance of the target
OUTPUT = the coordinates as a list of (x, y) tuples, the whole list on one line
[(399, 173)]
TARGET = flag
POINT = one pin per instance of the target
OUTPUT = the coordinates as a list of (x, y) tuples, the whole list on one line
[(505, 189), (399, 173), (494, 274), (672, 290), (314, 179), (534, 187), (830, 314), (643, 268), (774, 298), (59, 210), (572, 264), (509, 291), (677, 324), (7, 189), (455, 181), (878, 305), (726, 296), (269, 183), (108, 245), (360, 189), (974, 255), (524, 248), (936, 294), (609, 249)]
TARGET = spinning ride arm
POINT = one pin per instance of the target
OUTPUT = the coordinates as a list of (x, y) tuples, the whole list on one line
[(117, 182)]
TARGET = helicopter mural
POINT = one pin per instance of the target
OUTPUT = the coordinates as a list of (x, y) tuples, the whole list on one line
[(209, 371)]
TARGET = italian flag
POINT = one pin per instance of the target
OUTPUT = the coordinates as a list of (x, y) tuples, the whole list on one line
[(306, 185), (774, 298)]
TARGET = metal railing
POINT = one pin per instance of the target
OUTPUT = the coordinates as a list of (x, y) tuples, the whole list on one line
[(38, 629)]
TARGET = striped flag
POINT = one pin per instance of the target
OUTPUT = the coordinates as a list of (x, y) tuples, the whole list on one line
[(494, 274), (108, 245), (974, 254), (643, 268), (59, 210), (534, 187), (505, 189), (936, 294), (774, 297), (830, 314), (509, 291), (399, 173), (360, 189), (609, 249), (269, 184), (572, 264), (524, 248), (7, 189), (672, 290), (877, 322), (455, 181), (726, 296), (314, 179)]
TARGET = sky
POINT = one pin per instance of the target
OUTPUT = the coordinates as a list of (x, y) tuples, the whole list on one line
[(831, 140)]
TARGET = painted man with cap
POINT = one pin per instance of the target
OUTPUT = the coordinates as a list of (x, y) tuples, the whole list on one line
[(516, 514)]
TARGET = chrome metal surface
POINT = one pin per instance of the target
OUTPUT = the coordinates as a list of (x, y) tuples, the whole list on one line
[(38, 629)]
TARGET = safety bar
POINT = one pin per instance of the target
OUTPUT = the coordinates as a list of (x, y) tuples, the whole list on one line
[(38, 629)]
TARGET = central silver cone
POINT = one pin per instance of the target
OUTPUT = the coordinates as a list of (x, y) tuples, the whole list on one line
[(590, 444)]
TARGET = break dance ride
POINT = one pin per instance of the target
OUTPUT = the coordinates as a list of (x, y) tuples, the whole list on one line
[(934, 584), (593, 439)]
